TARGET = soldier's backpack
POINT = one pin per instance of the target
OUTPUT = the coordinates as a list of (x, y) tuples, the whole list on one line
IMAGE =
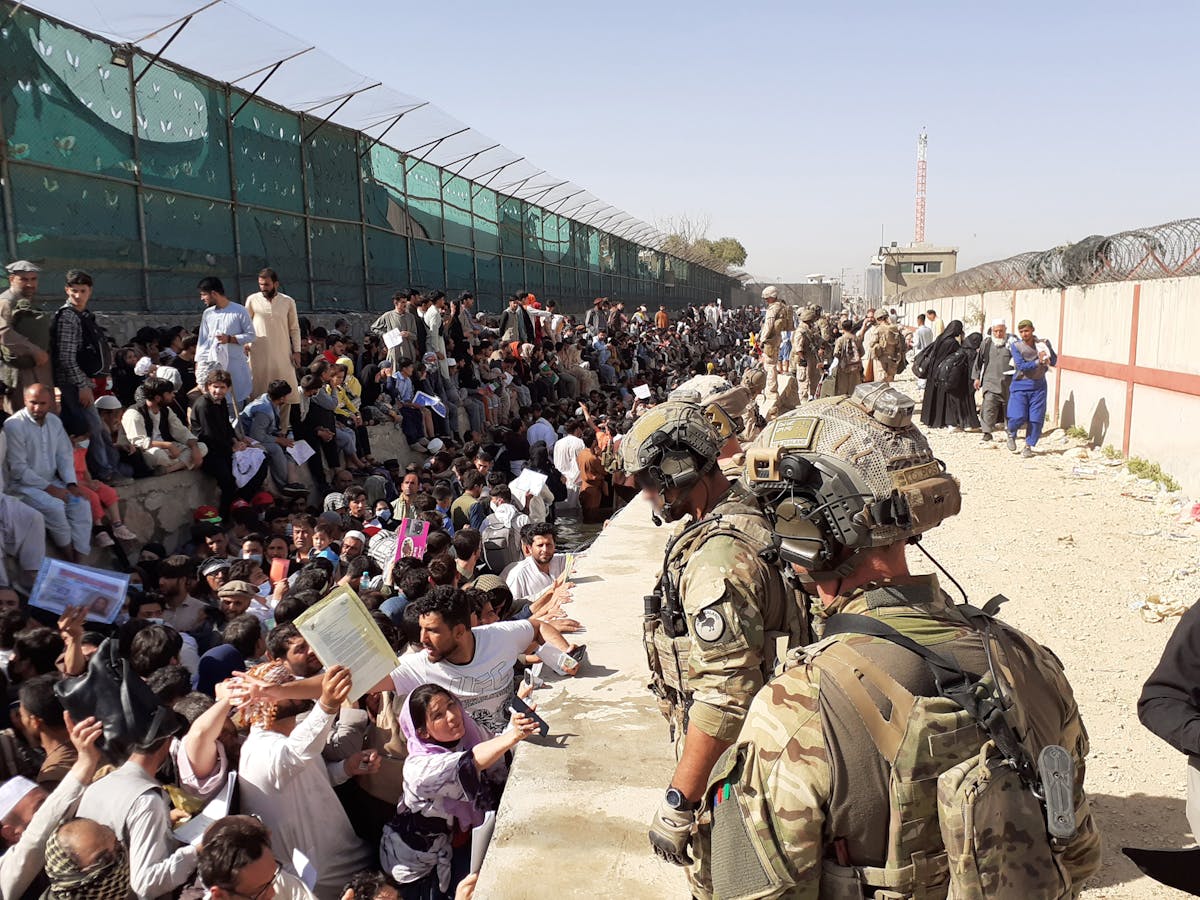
[(960, 774), (890, 344), (787, 317)]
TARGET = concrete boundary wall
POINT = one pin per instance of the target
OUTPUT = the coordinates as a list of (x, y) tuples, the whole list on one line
[(577, 808), (1128, 370)]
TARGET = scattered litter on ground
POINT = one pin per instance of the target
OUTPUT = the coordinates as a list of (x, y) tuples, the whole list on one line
[(1156, 607)]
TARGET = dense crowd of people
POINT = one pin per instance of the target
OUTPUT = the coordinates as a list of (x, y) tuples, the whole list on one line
[(514, 420), (366, 791)]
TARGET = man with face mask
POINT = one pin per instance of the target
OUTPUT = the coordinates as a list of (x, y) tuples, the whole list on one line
[(721, 610)]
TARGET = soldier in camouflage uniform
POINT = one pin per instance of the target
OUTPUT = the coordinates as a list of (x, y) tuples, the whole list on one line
[(753, 380), (855, 769), (776, 320), (723, 614), (807, 340)]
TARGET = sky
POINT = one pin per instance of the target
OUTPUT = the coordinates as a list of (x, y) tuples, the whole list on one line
[(792, 126)]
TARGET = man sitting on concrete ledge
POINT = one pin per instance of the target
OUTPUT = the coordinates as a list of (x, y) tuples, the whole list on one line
[(153, 428), (40, 469)]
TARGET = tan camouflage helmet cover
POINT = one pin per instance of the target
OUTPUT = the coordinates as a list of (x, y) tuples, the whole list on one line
[(667, 440), (886, 457)]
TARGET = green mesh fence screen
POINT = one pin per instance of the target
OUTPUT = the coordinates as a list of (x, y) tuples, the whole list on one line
[(153, 186)]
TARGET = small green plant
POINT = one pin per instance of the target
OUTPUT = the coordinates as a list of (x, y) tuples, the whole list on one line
[(1111, 452), (1143, 468), (1076, 432)]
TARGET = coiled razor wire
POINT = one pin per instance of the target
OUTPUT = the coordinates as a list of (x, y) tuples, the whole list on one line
[(1171, 250)]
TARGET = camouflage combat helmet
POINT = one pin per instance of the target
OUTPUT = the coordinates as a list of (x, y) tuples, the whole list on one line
[(848, 473), (810, 315), (721, 401), (755, 379), (672, 446)]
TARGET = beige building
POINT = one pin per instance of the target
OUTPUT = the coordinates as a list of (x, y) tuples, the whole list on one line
[(914, 265)]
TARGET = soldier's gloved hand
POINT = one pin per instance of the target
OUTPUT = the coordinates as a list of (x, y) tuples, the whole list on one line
[(670, 834)]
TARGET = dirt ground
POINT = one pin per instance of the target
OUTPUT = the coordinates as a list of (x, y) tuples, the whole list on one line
[(1077, 545)]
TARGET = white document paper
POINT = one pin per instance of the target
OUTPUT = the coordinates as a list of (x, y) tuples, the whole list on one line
[(392, 338), (341, 632), (528, 482), (641, 391), (192, 831), (481, 837), (301, 452), (556, 659)]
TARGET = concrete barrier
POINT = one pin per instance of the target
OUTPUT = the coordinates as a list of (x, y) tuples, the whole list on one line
[(160, 508), (576, 812)]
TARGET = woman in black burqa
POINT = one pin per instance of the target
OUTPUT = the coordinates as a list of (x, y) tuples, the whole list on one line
[(949, 400)]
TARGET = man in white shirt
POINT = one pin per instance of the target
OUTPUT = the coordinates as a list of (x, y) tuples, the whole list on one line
[(922, 338), (22, 531), (40, 469), (475, 663), (541, 566), (541, 430), (436, 342), (566, 460)]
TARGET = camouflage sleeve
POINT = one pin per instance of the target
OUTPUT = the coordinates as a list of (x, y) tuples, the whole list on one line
[(721, 588), (768, 795)]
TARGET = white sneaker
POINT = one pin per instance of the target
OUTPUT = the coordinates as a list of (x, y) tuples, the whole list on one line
[(122, 533), (102, 539)]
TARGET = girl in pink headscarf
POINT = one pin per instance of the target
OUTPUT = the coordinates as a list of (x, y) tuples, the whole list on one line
[(453, 775)]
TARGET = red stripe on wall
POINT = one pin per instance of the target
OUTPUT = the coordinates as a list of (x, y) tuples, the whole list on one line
[(1163, 379)]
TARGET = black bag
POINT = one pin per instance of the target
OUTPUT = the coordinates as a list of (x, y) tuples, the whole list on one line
[(112, 692), (954, 370), (95, 356)]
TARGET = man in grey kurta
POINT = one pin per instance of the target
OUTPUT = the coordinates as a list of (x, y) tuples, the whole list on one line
[(399, 319)]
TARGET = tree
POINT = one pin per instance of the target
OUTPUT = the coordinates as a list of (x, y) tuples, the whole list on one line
[(685, 238), (727, 249)]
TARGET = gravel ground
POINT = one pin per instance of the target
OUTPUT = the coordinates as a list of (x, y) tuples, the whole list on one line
[(1077, 544)]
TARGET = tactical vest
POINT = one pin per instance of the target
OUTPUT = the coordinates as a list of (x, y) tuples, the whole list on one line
[(666, 636), (965, 821)]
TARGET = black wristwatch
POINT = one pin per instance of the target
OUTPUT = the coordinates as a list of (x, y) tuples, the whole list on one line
[(678, 802)]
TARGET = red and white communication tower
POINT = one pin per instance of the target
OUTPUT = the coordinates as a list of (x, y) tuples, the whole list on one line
[(919, 229)]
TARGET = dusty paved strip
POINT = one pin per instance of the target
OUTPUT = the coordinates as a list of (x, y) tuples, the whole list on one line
[(1060, 537)]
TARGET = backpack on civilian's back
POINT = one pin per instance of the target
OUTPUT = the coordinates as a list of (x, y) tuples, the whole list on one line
[(95, 355), (501, 544)]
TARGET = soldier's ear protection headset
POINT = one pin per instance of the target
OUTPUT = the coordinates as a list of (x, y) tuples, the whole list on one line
[(668, 462), (822, 506)]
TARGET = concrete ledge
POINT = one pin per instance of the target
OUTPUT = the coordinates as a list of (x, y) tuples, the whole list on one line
[(160, 508), (576, 812)]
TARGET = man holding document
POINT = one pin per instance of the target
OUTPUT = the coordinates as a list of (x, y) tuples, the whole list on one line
[(475, 663)]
